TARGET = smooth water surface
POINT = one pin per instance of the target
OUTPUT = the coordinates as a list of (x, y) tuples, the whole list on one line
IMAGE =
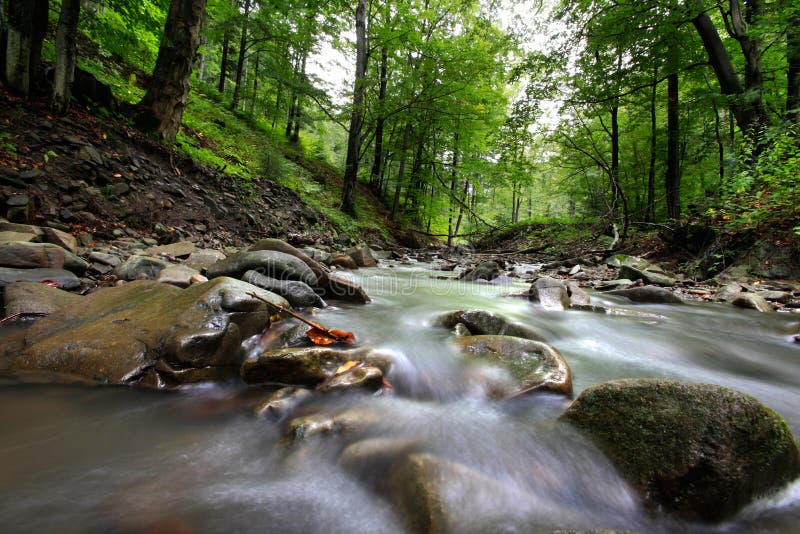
[(76, 459)]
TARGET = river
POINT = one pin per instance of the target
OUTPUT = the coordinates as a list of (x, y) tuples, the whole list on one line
[(76, 459)]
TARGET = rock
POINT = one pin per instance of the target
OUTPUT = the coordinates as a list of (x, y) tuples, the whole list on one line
[(31, 255), (354, 420), (65, 279), (647, 318), (344, 261), (636, 268), (305, 366), (140, 268), (27, 229), (105, 259), (281, 403), (62, 239), (277, 245), (177, 275), (776, 296), (89, 154), (363, 376), (550, 293), (728, 292), (460, 330), (370, 459), (33, 297), (752, 301), (488, 271), (180, 249), (144, 333), (271, 263), (298, 294), (480, 322), (203, 259), (532, 365), (343, 289), (285, 334), (363, 257), (319, 255), (15, 201), (577, 296), (648, 294), (10, 237), (608, 285), (697, 450), (575, 270)]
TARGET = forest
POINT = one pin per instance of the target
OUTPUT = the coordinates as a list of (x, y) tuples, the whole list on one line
[(464, 116)]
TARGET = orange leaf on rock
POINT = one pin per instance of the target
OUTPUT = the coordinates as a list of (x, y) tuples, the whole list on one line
[(347, 366), (319, 337)]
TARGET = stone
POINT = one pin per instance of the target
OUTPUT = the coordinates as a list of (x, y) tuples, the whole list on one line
[(577, 296), (532, 365), (31, 255), (89, 154), (33, 297), (65, 279), (362, 255), (6, 226), (752, 301), (319, 255), (575, 270), (648, 294), (277, 245), (370, 459), (203, 259), (775, 296), (16, 201), (298, 294), (144, 334), (105, 259), (698, 450), (306, 366), (352, 421), (551, 293), (119, 189), (11, 237), (346, 290), (177, 275), (281, 403), (62, 239), (637, 268), (727, 293), (285, 334), (481, 322), (363, 376), (175, 250), (344, 261), (608, 285), (139, 267), (488, 270), (271, 263)]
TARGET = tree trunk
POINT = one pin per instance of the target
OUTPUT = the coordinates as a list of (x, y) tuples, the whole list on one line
[(255, 85), (65, 55), (162, 107), (298, 105), (618, 195), (223, 64), (650, 210), (673, 177), (401, 171), (237, 91), (793, 65), (27, 26), (354, 134), (453, 177), (377, 160)]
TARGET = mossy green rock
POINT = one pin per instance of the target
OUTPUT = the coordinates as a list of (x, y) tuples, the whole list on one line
[(698, 450)]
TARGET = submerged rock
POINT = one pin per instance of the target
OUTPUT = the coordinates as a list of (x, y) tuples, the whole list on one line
[(145, 333), (354, 420), (363, 376), (480, 322), (698, 450), (531, 365), (281, 402)]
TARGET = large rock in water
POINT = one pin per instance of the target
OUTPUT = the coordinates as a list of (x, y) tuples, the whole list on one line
[(551, 293), (698, 450), (488, 270), (648, 294), (531, 365), (277, 245), (298, 294), (481, 322), (146, 334), (271, 263)]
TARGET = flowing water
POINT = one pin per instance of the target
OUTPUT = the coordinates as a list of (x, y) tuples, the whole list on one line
[(76, 459)]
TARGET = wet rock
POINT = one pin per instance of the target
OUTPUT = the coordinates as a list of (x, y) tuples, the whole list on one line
[(33, 297), (344, 261), (271, 263), (32, 255), (363, 376), (177, 275), (281, 403), (62, 239), (353, 421), (577, 296), (531, 365), (697, 450), (105, 259), (65, 279), (181, 249), (370, 459), (638, 269), (346, 290), (139, 267), (648, 294), (488, 271), (118, 335), (609, 285), (552, 294), (728, 292), (460, 330), (203, 259), (752, 301), (319, 255), (480, 322), (776, 296), (306, 366), (594, 308), (10, 237), (298, 294), (363, 257), (283, 335)]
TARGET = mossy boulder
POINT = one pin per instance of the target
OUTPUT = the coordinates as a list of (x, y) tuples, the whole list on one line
[(701, 451), (481, 322)]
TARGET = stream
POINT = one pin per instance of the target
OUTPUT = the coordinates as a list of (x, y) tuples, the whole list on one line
[(77, 459)]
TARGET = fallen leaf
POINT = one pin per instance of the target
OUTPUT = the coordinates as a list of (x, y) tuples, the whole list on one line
[(51, 283), (347, 366), (319, 337)]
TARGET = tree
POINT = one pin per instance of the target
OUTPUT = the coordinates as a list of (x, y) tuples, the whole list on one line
[(27, 26), (356, 117), (66, 37), (162, 107)]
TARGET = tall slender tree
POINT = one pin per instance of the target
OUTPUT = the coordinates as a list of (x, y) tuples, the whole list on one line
[(66, 38)]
